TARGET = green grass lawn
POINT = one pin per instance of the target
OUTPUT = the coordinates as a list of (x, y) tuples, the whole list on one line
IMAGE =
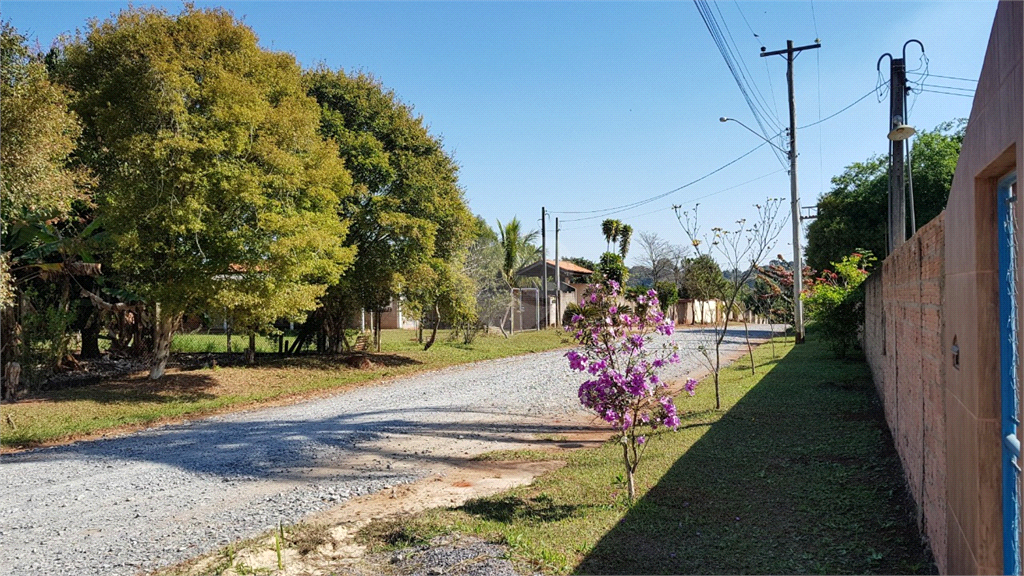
[(65, 414), (797, 474)]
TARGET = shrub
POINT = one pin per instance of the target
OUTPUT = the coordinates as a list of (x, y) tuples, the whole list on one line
[(836, 302)]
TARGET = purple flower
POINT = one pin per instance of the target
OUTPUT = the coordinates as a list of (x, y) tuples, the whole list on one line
[(691, 386), (577, 361), (613, 310), (576, 318), (641, 439)]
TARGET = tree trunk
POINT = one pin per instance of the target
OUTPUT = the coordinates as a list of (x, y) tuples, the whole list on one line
[(250, 353), (163, 332), (91, 336), (376, 331), (228, 332), (631, 486), (433, 332), (750, 350)]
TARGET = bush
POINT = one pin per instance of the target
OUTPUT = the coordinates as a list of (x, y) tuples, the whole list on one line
[(836, 302)]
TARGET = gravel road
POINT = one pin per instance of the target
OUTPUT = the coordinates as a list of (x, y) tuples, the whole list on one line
[(134, 503)]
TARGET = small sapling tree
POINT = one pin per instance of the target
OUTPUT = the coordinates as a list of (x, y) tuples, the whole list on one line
[(741, 249), (617, 352)]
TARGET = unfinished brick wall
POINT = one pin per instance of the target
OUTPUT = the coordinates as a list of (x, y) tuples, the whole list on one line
[(903, 345)]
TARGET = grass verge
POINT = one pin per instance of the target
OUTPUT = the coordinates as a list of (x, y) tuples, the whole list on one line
[(69, 413), (797, 474)]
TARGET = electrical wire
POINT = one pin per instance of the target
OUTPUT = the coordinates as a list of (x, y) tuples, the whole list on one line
[(616, 209), (833, 115), (947, 87), (948, 93), (954, 78), (774, 118), (761, 116), (633, 217)]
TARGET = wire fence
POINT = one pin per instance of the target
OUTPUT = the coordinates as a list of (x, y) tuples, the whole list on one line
[(219, 341)]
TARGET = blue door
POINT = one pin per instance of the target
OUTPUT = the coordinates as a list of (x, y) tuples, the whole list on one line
[(1010, 393)]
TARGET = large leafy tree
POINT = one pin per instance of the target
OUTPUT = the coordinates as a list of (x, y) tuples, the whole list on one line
[(39, 134), (853, 215), (216, 190), (409, 219), (38, 188)]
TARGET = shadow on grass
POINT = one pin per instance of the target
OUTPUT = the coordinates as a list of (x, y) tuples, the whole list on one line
[(515, 509), (198, 361), (799, 476), (171, 388)]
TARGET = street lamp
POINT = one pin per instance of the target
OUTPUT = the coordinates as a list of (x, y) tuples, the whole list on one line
[(798, 269), (755, 133)]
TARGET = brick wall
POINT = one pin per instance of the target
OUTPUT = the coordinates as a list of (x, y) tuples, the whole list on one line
[(903, 345)]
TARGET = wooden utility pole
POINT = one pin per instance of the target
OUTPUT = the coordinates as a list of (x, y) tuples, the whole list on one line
[(798, 309), (544, 265), (558, 280)]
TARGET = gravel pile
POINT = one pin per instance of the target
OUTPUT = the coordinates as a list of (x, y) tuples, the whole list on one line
[(461, 556), (138, 502)]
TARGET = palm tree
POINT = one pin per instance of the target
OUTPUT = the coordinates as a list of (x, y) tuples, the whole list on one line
[(516, 249), (625, 234), (610, 228)]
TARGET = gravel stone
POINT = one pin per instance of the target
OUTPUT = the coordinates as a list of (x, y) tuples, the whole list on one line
[(134, 503)]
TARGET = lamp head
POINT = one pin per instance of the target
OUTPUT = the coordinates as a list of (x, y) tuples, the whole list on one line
[(723, 119), (900, 131)]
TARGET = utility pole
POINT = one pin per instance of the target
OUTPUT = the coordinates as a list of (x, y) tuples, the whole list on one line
[(544, 264), (798, 308), (897, 187), (558, 280), (899, 131)]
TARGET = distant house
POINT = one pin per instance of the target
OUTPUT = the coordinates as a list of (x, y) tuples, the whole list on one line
[(573, 282)]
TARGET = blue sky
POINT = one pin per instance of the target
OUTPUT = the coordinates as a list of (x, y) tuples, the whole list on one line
[(586, 106)]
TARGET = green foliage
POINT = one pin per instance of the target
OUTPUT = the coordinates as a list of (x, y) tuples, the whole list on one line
[(216, 191), (612, 267), (48, 338), (702, 279), (854, 213), (409, 219), (37, 184), (668, 294), (615, 232), (39, 134), (517, 249), (836, 302)]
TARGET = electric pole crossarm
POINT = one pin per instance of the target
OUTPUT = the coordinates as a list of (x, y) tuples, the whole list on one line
[(788, 50)]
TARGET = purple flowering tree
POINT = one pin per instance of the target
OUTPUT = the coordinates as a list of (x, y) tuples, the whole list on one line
[(616, 350)]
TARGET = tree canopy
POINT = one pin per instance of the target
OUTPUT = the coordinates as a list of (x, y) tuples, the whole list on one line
[(215, 188), (853, 215), (39, 134), (409, 219)]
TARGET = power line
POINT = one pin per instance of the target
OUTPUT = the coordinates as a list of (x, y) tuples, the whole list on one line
[(855, 102), (616, 209), (948, 93), (748, 76), (733, 187), (761, 116), (954, 78), (946, 87)]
